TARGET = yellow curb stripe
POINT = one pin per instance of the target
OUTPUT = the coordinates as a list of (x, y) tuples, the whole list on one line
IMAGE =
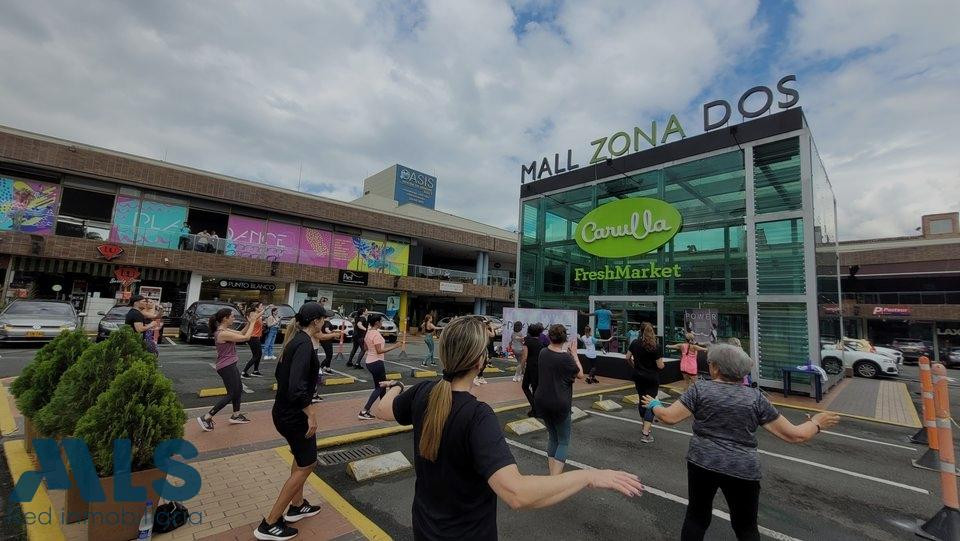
[(20, 463), (491, 370), (424, 373), (353, 437), (339, 381), (908, 405), (363, 524), (8, 425), (394, 376), (842, 414), (212, 391)]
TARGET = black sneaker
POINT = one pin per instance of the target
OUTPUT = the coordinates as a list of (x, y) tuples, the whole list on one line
[(301, 511), (244, 375), (257, 374), (316, 398), (349, 365), (274, 532), (205, 424), (365, 416), (239, 419)]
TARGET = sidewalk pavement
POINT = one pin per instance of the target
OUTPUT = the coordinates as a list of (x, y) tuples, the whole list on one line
[(242, 467)]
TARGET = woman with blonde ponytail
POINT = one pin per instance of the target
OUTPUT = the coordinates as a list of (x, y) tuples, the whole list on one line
[(461, 457)]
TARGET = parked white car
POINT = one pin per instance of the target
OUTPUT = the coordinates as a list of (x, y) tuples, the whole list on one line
[(894, 354), (863, 363), (338, 321)]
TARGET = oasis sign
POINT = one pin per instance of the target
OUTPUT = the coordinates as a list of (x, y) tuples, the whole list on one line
[(716, 114), (628, 227)]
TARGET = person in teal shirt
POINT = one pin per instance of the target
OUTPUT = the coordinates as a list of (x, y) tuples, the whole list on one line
[(185, 243), (604, 321)]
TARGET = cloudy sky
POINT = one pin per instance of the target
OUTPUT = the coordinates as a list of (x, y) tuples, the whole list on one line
[(467, 90)]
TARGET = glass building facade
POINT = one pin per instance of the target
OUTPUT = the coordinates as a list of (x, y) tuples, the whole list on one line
[(757, 247)]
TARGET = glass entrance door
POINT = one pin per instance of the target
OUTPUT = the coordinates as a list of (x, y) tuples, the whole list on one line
[(628, 312)]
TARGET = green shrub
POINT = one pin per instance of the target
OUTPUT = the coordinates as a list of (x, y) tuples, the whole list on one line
[(141, 406), (38, 381), (87, 379)]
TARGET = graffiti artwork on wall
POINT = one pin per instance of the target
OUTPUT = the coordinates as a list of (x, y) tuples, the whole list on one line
[(124, 219), (245, 237), (315, 247), (283, 241), (27, 206), (355, 253), (156, 224)]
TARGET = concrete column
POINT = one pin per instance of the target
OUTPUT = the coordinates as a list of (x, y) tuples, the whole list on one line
[(7, 280), (291, 292), (193, 288), (479, 270)]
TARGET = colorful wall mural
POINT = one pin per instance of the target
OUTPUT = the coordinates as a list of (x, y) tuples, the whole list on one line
[(125, 219), (355, 253), (246, 237), (315, 247), (283, 242), (28, 206), (159, 224)]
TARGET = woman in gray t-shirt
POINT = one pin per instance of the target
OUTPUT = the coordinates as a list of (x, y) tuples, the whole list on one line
[(723, 449)]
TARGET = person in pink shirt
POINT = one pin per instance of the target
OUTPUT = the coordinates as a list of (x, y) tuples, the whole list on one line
[(376, 350)]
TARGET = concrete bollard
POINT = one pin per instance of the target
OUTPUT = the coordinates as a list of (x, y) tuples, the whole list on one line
[(929, 460), (946, 523)]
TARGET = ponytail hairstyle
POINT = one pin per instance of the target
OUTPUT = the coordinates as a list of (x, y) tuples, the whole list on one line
[(292, 328), (647, 337), (216, 318), (463, 342)]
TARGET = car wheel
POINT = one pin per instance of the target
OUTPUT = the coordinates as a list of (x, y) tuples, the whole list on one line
[(866, 369), (832, 365)]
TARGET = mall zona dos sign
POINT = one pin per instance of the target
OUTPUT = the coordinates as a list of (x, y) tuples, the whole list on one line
[(621, 142)]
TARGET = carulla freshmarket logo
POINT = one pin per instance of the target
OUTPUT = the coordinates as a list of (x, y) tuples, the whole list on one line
[(628, 227)]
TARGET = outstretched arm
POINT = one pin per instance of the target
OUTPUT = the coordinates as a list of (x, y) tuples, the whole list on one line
[(782, 428), (535, 491), (672, 414)]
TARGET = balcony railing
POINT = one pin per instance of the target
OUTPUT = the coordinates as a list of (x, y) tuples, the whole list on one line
[(215, 244), (904, 297)]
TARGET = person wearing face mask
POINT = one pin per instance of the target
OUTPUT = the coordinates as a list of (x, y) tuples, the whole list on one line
[(295, 418)]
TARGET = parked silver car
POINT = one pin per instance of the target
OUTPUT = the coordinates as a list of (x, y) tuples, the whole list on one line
[(36, 320)]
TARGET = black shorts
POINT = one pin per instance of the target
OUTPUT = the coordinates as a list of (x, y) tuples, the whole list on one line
[(604, 334), (303, 449)]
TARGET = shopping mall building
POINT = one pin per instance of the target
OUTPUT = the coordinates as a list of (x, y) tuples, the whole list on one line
[(95, 226), (731, 233)]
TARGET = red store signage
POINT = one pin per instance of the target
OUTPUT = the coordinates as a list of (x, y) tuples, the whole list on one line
[(110, 251)]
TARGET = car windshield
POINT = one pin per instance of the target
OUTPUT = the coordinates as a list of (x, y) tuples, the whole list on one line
[(119, 311), (210, 309), (41, 309), (284, 310)]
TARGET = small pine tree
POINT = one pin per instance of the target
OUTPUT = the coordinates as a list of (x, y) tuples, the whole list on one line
[(141, 406), (87, 379), (36, 385)]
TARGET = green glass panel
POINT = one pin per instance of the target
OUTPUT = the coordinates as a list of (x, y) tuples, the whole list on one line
[(707, 190), (776, 176), (780, 269), (783, 338), (529, 221)]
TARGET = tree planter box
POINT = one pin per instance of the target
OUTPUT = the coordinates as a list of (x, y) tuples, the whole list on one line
[(118, 521)]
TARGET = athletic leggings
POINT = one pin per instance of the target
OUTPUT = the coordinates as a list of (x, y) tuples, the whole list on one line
[(359, 344), (256, 353), (328, 354), (531, 378), (379, 374), (231, 380), (743, 499), (558, 438), (645, 387)]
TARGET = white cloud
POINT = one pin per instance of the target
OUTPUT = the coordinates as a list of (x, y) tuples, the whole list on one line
[(253, 89)]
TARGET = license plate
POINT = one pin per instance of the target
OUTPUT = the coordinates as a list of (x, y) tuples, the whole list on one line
[(34, 334)]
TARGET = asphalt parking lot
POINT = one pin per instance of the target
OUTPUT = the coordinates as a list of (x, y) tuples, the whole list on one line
[(856, 482)]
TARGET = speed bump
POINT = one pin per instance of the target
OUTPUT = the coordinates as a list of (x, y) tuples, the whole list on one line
[(214, 391), (525, 426), (577, 414), (632, 399), (394, 376), (424, 373), (492, 370), (378, 466), (340, 381), (607, 405)]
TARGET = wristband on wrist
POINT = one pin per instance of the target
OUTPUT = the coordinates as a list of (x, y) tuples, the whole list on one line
[(397, 384), (655, 403)]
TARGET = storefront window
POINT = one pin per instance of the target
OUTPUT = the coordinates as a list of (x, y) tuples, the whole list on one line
[(707, 190), (776, 176), (563, 211), (531, 213), (783, 339), (780, 263), (85, 214)]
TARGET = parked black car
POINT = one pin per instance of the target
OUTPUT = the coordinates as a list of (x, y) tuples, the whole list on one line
[(111, 321), (193, 324)]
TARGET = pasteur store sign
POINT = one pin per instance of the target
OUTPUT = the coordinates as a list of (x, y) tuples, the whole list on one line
[(738, 221)]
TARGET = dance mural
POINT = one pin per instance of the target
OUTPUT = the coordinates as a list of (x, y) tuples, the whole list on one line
[(27, 206)]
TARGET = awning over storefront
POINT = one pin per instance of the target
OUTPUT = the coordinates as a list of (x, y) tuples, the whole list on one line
[(95, 269)]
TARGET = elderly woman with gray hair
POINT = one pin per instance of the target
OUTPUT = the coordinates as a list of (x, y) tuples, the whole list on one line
[(723, 448)]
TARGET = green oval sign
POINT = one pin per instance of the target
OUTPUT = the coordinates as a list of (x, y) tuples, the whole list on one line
[(628, 227)]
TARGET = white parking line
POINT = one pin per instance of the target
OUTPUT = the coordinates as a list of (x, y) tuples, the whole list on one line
[(407, 365), (784, 457), (832, 433), (657, 492), (347, 375)]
